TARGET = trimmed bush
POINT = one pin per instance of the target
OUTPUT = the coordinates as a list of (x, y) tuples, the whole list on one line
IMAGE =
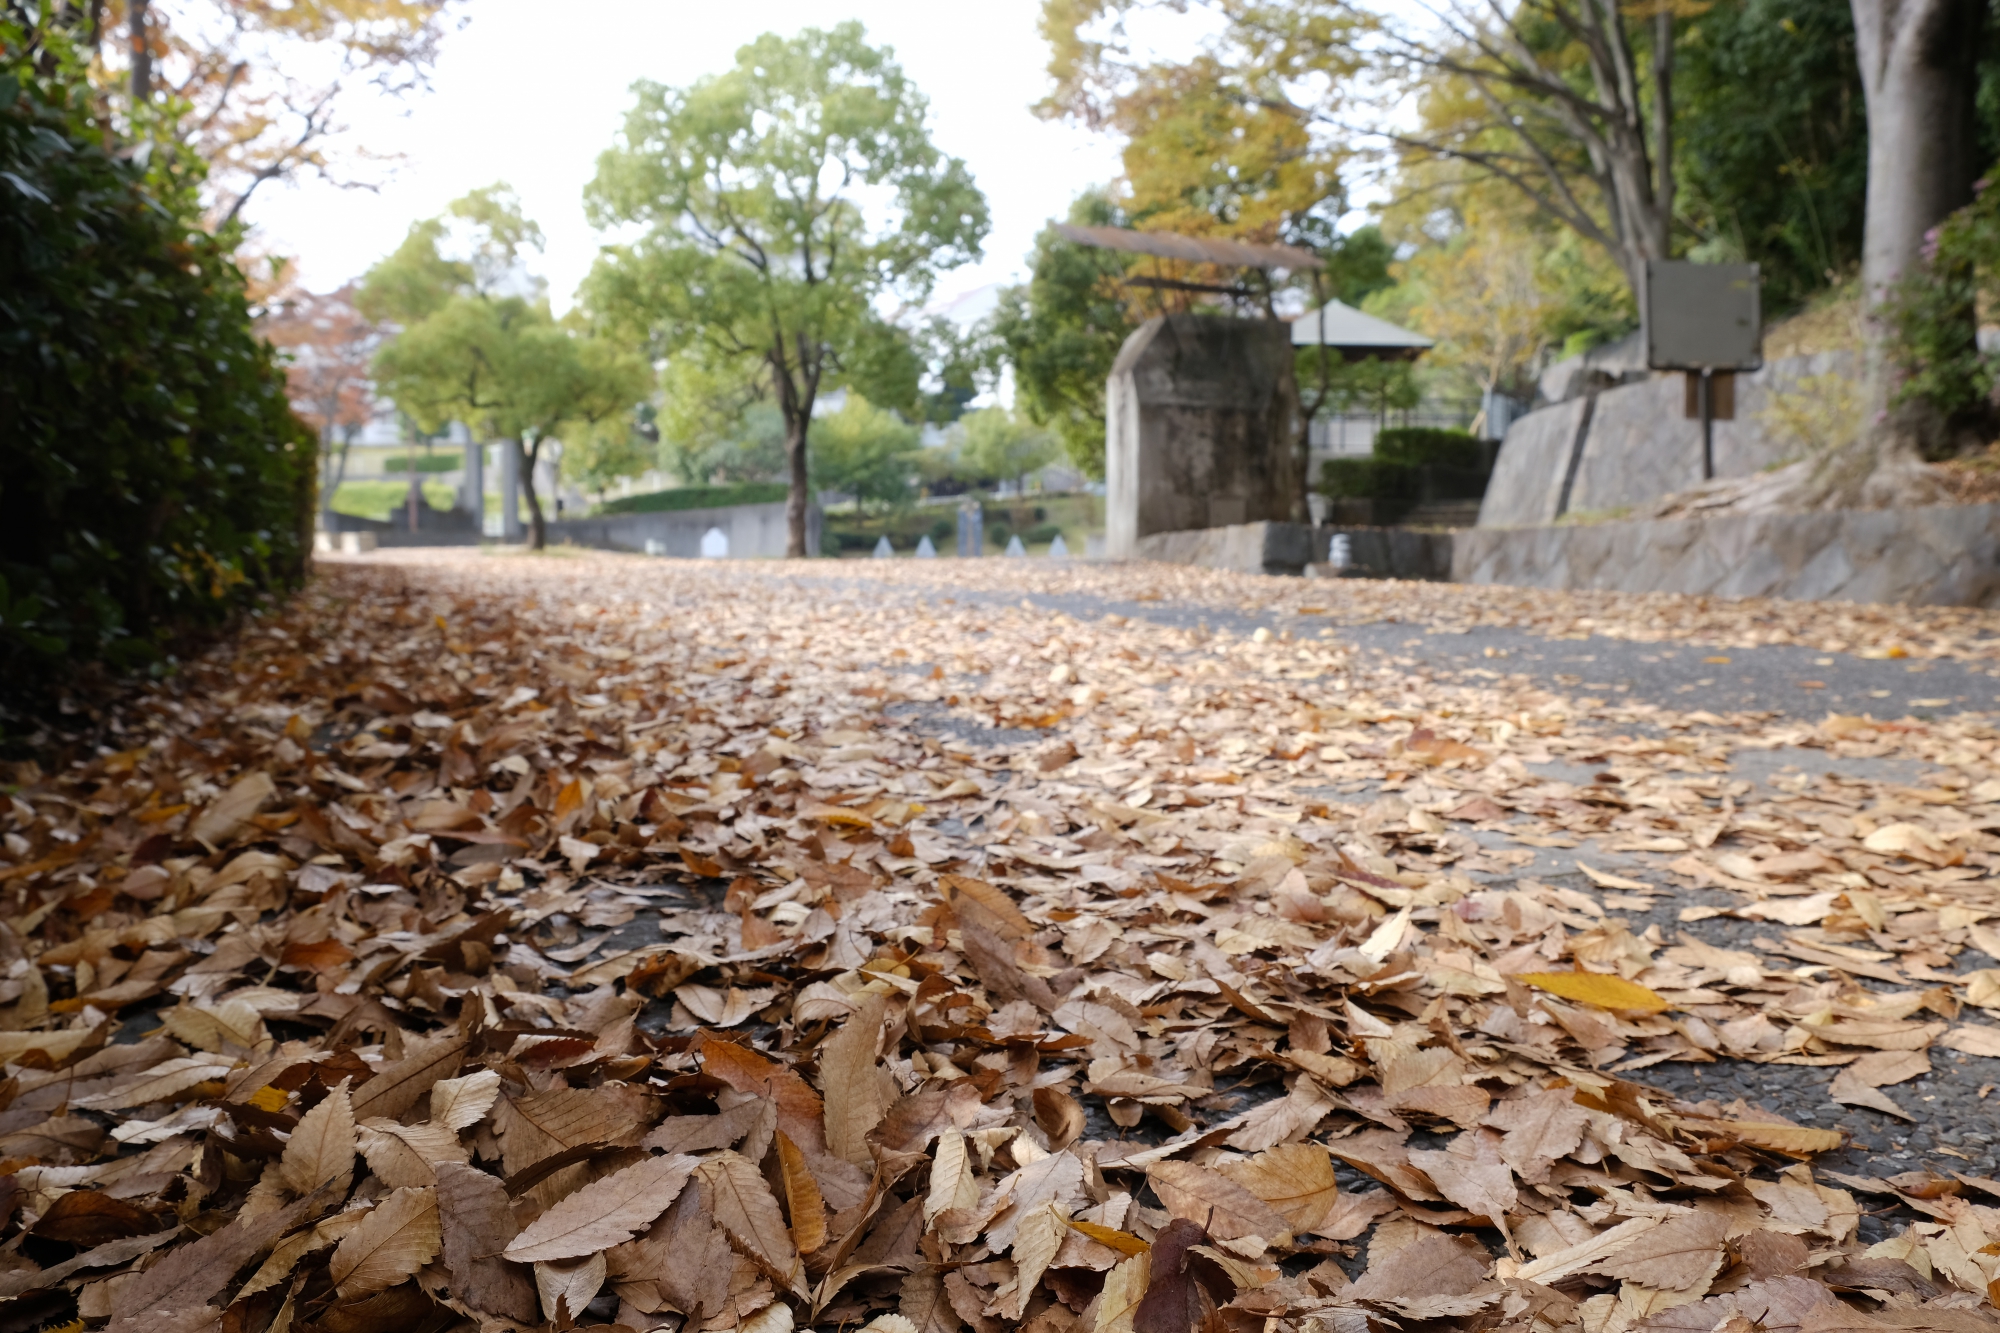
[(153, 478), (696, 497), (1424, 446), (450, 462)]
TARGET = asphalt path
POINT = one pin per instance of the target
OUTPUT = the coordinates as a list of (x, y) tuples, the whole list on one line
[(1957, 1106)]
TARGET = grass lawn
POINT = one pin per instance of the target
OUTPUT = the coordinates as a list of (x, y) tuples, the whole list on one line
[(375, 499)]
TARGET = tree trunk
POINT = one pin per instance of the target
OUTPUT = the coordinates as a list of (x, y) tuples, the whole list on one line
[(796, 496), (1919, 79), (142, 52), (538, 531), (795, 395), (1919, 76)]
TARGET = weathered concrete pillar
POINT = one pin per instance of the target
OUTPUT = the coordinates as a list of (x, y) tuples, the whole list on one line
[(510, 491), (1200, 428), (472, 489)]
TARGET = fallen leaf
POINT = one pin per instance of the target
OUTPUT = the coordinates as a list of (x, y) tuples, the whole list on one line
[(1296, 1179), (396, 1239), (1598, 989), (321, 1150), (746, 1210), (603, 1213), (1219, 1205)]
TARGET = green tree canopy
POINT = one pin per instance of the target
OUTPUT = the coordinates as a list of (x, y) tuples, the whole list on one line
[(865, 451), (1062, 331), (477, 342), (994, 442), (782, 201)]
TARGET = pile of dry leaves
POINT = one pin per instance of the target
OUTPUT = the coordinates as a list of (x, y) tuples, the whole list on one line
[(518, 945)]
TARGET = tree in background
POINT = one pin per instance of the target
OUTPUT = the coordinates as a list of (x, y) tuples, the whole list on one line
[(758, 249), (715, 426), (329, 348), (1773, 142), (997, 443), (865, 451), (476, 342), (252, 87), (153, 477), (1062, 330)]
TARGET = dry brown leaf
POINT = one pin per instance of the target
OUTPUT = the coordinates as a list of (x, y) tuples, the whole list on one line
[(1776, 1305), (405, 1155), (923, 1301), (218, 824), (858, 1090), (603, 1213), (745, 1208), (321, 1150), (952, 1182), (1541, 1127), (1124, 1288), (460, 1103), (1036, 1241), (1471, 1173), (1680, 1255), (1974, 1039), (565, 1288), (1216, 1203), (476, 1225), (401, 1084), (688, 1256), (396, 1239), (1432, 1265), (802, 1197), (1296, 1179)]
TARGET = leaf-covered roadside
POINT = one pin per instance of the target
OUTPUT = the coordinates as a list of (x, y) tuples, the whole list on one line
[(514, 944)]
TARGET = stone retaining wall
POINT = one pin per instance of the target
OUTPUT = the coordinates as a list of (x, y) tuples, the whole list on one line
[(1943, 556), (1628, 446)]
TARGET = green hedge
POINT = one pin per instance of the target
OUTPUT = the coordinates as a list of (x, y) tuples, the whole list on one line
[(152, 475), (450, 462), (1424, 446), (697, 497)]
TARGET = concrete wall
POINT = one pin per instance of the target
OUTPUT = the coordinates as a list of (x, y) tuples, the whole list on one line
[(1943, 556), (1636, 445), (1288, 548), (1250, 548), (1200, 415), (755, 531)]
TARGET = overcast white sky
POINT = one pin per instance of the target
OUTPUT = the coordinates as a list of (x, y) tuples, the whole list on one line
[(531, 93)]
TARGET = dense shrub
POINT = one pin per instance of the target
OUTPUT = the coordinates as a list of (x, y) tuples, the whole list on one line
[(697, 497), (152, 475), (1933, 320), (1410, 466), (1423, 446), (400, 463)]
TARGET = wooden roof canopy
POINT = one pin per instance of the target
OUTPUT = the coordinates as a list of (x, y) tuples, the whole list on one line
[(1193, 249), (1334, 325)]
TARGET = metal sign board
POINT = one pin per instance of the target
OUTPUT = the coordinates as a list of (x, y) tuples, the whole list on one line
[(1702, 316)]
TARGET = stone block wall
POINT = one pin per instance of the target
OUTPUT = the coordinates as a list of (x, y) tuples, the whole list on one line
[(1941, 556), (1629, 446)]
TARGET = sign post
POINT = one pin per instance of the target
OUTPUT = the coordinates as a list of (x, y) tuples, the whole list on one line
[(1706, 321)]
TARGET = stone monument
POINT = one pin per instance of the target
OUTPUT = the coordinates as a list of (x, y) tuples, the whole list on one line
[(1201, 428)]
